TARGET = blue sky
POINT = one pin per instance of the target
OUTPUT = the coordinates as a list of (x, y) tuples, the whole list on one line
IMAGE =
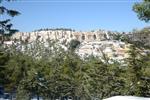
[(85, 15)]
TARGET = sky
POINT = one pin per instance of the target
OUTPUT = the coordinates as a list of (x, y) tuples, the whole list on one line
[(81, 15)]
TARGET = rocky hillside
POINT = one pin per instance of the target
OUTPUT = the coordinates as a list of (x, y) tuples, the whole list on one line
[(97, 42)]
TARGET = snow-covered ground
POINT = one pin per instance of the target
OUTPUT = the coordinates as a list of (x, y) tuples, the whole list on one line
[(126, 98), (111, 98)]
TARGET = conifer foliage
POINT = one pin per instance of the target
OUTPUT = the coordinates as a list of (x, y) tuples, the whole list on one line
[(6, 29)]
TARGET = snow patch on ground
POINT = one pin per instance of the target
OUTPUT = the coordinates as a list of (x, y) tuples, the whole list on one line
[(126, 98)]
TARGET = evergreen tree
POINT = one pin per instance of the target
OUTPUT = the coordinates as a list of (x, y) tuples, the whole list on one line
[(143, 10), (5, 25), (134, 72)]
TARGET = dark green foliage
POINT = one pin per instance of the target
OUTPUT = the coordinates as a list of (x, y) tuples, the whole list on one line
[(64, 73), (5, 26), (106, 79), (4, 58), (53, 29), (17, 68), (143, 10), (135, 69), (51, 74), (74, 44), (141, 38)]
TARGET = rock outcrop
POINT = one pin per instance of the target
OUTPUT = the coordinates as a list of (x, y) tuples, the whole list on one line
[(91, 43)]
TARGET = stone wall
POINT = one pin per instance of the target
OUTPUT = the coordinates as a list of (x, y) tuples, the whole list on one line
[(61, 34)]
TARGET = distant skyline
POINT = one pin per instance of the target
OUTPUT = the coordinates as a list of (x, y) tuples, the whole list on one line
[(84, 15)]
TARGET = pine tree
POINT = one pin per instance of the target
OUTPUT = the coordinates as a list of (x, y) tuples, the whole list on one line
[(143, 10), (134, 72), (5, 25)]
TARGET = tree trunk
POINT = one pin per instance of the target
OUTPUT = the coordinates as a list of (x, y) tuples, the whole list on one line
[(38, 97)]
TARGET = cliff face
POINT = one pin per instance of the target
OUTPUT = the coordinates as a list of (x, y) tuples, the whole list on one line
[(91, 43), (61, 35), (95, 43)]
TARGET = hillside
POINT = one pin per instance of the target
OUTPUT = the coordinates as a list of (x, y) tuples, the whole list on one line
[(97, 42)]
